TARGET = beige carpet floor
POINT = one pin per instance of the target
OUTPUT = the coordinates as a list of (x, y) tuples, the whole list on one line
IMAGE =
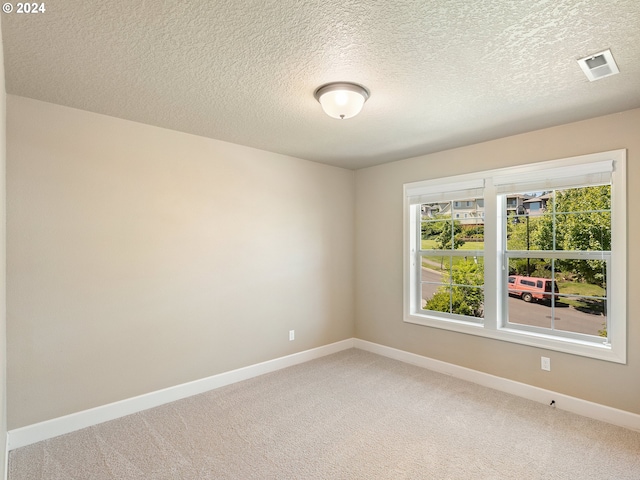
[(352, 415)]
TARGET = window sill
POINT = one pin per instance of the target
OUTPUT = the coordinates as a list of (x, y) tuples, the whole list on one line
[(599, 351)]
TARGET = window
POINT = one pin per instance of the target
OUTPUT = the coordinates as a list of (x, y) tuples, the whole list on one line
[(550, 272), (569, 245), (451, 266)]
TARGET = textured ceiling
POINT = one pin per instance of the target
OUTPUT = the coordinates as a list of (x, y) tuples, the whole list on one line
[(442, 73)]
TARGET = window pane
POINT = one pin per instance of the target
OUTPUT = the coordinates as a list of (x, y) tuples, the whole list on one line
[(528, 313), (434, 218), (470, 235), (586, 315), (453, 284), (575, 302), (438, 300), (468, 301), (583, 231), (582, 291), (528, 232), (573, 219), (457, 225), (581, 277), (584, 199), (431, 211), (431, 280), (530, 267)]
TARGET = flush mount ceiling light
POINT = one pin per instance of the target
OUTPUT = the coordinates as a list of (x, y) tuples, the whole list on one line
[(341, 99)]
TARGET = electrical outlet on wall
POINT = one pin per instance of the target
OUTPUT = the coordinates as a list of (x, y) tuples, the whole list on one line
[(292, 335), (545, 363)]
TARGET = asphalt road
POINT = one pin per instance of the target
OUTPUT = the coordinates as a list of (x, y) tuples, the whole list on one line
[(567, 318)]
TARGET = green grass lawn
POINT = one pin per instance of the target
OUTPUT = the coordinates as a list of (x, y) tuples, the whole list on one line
[(442, 262), (431, 245), (576, 288), (587, 305)]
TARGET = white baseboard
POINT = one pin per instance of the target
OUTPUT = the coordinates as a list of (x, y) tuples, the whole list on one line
[(21, 437), (585, 408)]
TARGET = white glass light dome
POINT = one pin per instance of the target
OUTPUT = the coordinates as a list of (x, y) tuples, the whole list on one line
[(342, 100)]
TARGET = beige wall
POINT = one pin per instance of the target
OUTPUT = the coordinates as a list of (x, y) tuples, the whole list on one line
[(3, 282), (141, 258), (379, 262)]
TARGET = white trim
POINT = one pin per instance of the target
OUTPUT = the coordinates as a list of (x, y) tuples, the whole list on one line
[(599, 351), (427, 187), (429, 191), (575, 405), (588, 173), (24, 436)]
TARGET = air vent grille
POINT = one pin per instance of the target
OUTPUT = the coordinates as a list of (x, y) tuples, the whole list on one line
[(598, 65)]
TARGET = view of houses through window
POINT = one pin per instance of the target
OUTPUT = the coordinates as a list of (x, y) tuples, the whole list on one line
[(452, 240), (558, 245)]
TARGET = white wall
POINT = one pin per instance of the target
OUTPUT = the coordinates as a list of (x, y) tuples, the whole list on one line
[(141, 258), (379, 211)]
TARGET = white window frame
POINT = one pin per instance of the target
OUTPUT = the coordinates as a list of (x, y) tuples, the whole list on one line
[(495, 187)]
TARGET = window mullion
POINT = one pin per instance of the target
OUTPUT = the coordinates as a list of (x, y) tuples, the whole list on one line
[(453, 253), (492, 260), (417, 259), (568, 254)]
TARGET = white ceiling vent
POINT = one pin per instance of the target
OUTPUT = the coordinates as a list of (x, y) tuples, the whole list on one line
[(598, 65)]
